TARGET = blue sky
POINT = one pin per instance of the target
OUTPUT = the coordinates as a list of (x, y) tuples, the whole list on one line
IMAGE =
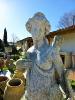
[(15, 13)]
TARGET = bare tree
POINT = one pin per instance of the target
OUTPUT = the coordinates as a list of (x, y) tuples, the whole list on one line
[(68, 19), (14, 38)]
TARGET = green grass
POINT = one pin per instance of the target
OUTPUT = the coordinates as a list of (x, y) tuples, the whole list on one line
[(73, 82), (5, 68)]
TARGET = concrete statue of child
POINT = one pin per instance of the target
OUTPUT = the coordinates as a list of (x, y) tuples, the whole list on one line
[(42, 60)]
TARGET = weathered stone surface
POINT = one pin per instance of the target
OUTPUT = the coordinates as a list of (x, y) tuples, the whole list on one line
[(42, 60)]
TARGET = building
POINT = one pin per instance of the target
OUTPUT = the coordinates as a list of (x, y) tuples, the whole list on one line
[(25, 43), (68, 47), (67, 51)]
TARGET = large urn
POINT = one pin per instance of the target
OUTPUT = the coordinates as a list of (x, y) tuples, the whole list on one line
[(14, 89)]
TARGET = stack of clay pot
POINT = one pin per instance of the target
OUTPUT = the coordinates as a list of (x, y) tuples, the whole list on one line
[(19, 73)]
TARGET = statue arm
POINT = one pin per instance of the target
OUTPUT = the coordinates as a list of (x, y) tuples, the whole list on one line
[(58, 64), (59, 67), (56, 44)]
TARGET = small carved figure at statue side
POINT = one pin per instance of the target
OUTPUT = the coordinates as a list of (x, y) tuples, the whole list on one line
[(42, 61)]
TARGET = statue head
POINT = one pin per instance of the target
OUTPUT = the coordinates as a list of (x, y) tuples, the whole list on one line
[(38, 24)]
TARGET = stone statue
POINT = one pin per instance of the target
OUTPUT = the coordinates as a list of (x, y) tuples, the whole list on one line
[(41, 62)]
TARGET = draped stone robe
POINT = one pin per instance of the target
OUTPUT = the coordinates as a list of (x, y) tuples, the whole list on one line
[(41, 64)]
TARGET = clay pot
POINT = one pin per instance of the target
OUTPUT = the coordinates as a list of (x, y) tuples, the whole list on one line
[(14, 89), (3, 81), (20, 74), (1, 64)]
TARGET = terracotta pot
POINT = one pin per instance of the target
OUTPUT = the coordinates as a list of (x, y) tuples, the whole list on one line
[(14, 89), (3, 81), (20, 74)]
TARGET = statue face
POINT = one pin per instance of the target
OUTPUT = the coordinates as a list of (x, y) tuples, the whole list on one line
[(38, 25), (36, 28)]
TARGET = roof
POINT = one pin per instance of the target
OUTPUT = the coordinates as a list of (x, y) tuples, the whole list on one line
[(52, 34), (25, 39), (62, 31)]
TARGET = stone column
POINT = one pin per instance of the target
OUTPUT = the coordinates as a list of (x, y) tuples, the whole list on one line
[(67, 59), (73, 59)]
